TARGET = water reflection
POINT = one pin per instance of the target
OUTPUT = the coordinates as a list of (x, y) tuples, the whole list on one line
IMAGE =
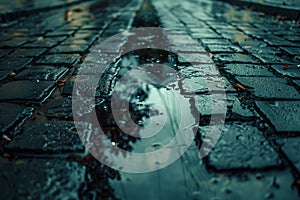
[(152, 105)]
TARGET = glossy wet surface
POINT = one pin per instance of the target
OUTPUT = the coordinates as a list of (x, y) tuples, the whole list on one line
[(238, 68)]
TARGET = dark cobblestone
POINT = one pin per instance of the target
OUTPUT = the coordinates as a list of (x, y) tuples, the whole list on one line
[(288, 112), (195, 58), (70, 49), (31, 52), (292, 71), (294, 51), (47, 73), (4, 52), (270, 87), (221, 48), (59, 33), (270, 58), (248, 70), (15, 42), (200, 84), (4, 74), (210, 105), (199, 70), (45, 42), (40, 179), (14, 63), (241, 146), (61, 109), (49, 137), (59, 59), (297, 82), (11, 113), (215, 41), (290, 147), (234, 58), (27, 90)]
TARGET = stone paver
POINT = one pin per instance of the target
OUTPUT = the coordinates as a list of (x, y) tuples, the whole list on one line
[(47, 137), (59, 59), (290, 147), (248, 70), (283, 115), (270, 87), (241, 146), (214, 105), (26, 90), (14, 63), (40, 178), (292, 70), (47, 73), (12, 114)]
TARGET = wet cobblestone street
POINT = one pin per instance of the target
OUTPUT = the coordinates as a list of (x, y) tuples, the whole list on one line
[(45, 48)]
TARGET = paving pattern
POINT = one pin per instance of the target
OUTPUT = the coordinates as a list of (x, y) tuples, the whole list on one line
[(258, 57)]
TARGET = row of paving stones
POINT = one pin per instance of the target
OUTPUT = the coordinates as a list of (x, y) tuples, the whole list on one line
[(259, 57), (207, 107), (43, 155), (13, 10)]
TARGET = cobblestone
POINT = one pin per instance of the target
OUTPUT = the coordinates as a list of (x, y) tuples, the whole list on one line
[(49, 137), (32, 52), (14, 63), (292, 70), (12, 115), (290, 147), (248, 70), (288, 112), (40, 178), (235, 58), (241, 146), (59, 59), (270, 87), (47, 73), (26, 90)]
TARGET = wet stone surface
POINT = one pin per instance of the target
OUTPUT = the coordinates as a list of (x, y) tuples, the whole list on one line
[(217, 104), (234, 58), (270, 87), (294, 51), (207, 83), (195, 58), (30, 52), (4, 74), (248, 70), (62, 108), (14, 63), (70, 49), (199, 70), (290, 147), (40, 179), (287, 110), (241, 146), (11, 113), (47, 73), (59, 59), (45, 42), (297, 82), (292, 70), (245, 45), (49, 137), (214, 48), (28, 90)]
